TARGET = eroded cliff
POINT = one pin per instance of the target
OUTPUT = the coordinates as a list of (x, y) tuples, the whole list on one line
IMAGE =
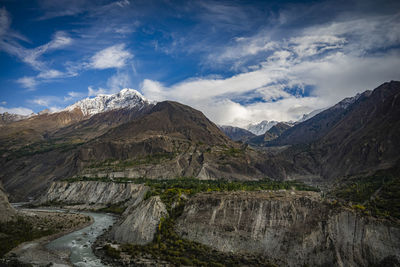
[(7, 212), (140, 223), (93, 193), (293, 228)]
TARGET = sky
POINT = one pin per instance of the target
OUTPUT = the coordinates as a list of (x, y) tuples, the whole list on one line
[(239, 62)]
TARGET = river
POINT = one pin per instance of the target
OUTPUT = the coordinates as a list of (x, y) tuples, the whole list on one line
[(80, 242)]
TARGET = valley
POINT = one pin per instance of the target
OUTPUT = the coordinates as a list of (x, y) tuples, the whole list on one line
[(170, 188)]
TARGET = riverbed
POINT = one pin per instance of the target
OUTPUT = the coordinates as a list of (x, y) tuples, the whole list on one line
[(79, 243), (72, 247)]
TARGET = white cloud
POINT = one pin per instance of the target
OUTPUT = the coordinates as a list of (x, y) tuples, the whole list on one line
[(154, 90), (119, 81), (311, 45), (244, 47), (50, 74), (17, 110), (277, 80), (122, 3), (31, 56), (114, 84), (115, 56), (60, 40), (94, 92), (73, 95), (9, 43), (364, 34), (28, 82), (41, 101)]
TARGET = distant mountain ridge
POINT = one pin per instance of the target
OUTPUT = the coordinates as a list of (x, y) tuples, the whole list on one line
[(169, 139), (236, 133), (6, 117), (318, 125), (261, 127), (357, 135), (273, 133), (310, 115)]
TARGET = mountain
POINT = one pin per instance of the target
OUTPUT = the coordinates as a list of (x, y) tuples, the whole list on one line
[(367, 138), (170, 119), (6, 117), (168, 140), (36, 128), (236, 133), (359, 135), (310, 115), (261, 128), (312, 129), (273, 133), (126, 98), (83, 120)]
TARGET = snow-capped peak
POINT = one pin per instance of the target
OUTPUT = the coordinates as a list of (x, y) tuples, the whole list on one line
[(126, 98), (261, 128)]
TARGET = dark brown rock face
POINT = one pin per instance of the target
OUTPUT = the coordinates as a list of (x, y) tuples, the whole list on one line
[(357, 135)]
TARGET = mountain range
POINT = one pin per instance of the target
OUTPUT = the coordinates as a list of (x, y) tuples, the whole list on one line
[(127, 135)]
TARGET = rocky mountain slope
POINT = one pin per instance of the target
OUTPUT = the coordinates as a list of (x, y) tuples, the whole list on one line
[(273, 133), (168, 140), (6, 118), (357, 135), (176, 141), (236, 133), (92, 193), (85, 119), (310, 115), (293, 228), (319, 125)]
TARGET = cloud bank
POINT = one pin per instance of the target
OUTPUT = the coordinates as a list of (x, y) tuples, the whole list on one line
[(311, 70)]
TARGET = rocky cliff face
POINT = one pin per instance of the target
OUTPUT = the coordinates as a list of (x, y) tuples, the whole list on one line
[(7, 212), (139, 224), (91, 192), (293, 228)]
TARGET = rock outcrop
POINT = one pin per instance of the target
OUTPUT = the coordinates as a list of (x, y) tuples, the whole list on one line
[(140, 223), (292, 228), (93, 193), (7, 212)]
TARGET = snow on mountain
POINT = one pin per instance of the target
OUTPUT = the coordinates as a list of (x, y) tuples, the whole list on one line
[(126, 98), (262, 127), (11, 117), (310, 115), (345, 103)]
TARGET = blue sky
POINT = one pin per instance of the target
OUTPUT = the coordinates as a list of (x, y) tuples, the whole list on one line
[(239, 62)]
